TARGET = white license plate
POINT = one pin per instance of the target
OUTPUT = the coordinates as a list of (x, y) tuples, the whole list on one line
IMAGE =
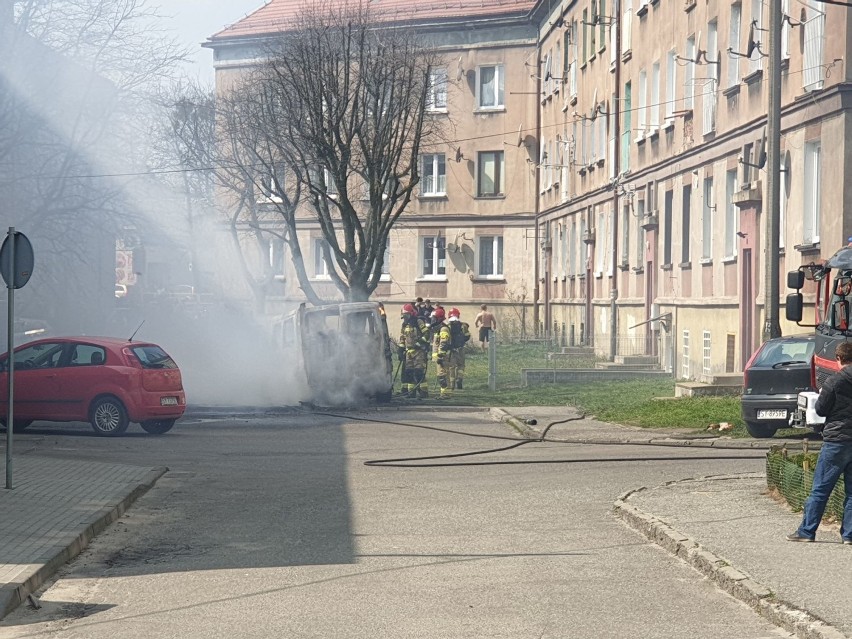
[(775, 413), (168, 401)]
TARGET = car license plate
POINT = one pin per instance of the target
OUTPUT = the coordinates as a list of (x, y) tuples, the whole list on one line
[(168, 401), (774, 413)]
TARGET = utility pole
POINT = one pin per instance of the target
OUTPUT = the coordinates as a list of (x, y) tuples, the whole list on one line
[(771, 326)]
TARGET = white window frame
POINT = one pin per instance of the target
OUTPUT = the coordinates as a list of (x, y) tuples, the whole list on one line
[(499, 88), (497, 266), (812, 197), (436, 99), (707, 220), (813, 31), (654, 119), (277, 258), (685, 364), (321, 271), (600, 250), (732, 217), (689, 75), (437, 245), (755, 62), (706, 362), (385, 276), (626, 26), (433, 183), (499, 177), (734, 42), (671, 86), (642, 123)]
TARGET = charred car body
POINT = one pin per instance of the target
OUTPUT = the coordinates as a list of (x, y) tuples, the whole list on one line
[(341, 352)]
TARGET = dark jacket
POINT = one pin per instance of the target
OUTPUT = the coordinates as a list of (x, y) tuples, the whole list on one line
[(835, 404)]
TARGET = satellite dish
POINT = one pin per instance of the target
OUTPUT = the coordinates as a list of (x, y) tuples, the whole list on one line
[(595, 104), (459, 155), (697, 48), (788, 173), (752, 45), (520, 134), (452, 248), (760, 159)]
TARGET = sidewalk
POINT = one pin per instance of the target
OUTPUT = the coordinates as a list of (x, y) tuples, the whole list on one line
[(52, 512), (726, 527)]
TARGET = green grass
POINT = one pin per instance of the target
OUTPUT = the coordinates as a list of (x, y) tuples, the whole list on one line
[(643, 403)]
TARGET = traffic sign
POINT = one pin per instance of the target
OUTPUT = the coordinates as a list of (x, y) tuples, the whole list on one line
[(23, 257)]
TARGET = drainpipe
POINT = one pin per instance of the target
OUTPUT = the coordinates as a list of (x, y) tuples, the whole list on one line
[(616, 163)]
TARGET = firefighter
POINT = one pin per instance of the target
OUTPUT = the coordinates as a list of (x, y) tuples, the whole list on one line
[(441, 346), (459, 337), (413, 349)]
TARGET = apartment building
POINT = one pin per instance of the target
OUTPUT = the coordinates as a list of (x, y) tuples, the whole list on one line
[(606, 175), (656, 228), (469, 236)]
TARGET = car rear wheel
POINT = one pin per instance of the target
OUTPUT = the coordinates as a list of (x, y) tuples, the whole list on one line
[(761, 431), (158, 426), (109, 417)]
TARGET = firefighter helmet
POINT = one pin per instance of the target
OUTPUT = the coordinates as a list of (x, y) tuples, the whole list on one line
[(454, 312), (408, 309), (438, 314)]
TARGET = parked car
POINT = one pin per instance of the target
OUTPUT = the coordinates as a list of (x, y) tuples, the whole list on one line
[(108, 382), (773, 378)]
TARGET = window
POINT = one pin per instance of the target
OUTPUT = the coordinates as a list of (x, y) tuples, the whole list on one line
[(625, 235), (732, 218), (330, 184), (625, 134), (689, 73), (814, 36), (734, 43), (608, 240), (709, 85), (600, 248), (655, 97), (640, 234), (434, 172), (755, 62), (611, 115), (785, 31), (668, 204), (707, 221), (812, 186), (602, 23), (491, 256), (643, 94), (585, 34), (84, 355), (276, 257), (685, 370), (705, 354), (489, 86), (563, 235), (434, 256), (572, 248), (684, 224), (320, 267), (573, 46), (490, 174), (386, 262), (592, 26), (626, 25), (671, 85), (436, 99)]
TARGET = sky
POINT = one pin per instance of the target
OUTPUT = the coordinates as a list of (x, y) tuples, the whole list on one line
[(196, 20)]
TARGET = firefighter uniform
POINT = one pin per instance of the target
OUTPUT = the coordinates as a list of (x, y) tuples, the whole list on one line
[(441, 347), (413, 346), (460, 335)]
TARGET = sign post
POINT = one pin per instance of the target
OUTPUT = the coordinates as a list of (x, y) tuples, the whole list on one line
[(16, 266)]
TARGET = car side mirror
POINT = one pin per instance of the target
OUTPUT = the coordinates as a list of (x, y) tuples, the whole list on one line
[(793, 307), (795, 279)]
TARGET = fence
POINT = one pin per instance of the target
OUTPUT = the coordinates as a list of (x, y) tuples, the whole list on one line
[(792, 476)]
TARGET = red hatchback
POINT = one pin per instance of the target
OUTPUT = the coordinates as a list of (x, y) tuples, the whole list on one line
[(108, 382)]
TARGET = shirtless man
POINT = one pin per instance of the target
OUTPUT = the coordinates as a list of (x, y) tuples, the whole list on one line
[(486, 323)]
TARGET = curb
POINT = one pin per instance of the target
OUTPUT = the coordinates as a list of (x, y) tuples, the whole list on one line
[(14, 594), (735, 582)]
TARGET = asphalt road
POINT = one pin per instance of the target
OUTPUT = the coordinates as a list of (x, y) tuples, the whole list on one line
[(273, 526)]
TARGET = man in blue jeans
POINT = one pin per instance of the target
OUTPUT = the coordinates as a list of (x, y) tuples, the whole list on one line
[(835, 456)]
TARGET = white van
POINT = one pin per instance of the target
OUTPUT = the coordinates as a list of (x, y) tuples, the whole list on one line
[(343, 351)]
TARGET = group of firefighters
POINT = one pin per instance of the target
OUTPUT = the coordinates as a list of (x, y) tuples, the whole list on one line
[(431, 332)]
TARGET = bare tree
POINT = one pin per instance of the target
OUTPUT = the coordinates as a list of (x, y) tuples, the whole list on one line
[(328, 132)]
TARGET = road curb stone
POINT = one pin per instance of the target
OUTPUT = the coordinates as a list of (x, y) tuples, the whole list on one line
[(733, 581)]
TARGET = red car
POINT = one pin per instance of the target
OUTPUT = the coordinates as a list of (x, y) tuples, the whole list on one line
[(108, 382)]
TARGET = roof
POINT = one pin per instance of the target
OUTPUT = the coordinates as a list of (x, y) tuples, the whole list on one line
[(276, 15)]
